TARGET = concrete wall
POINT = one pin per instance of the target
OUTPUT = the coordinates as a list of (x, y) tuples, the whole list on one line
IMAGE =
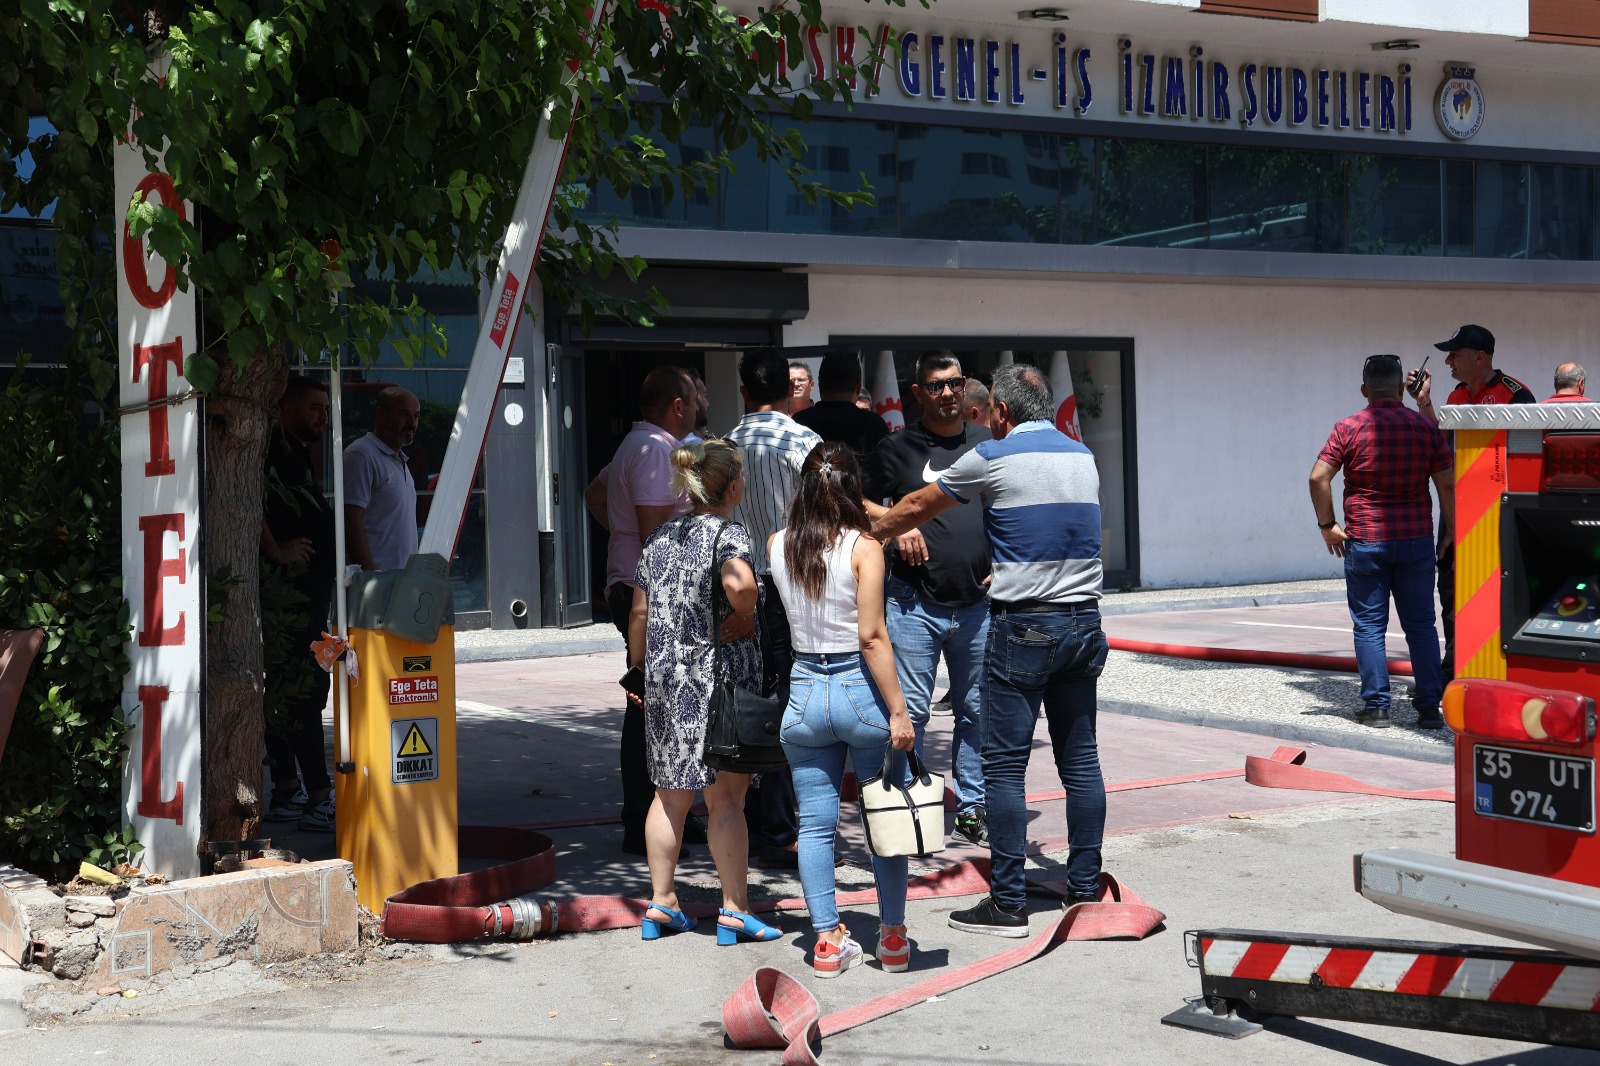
[(1237, 383)]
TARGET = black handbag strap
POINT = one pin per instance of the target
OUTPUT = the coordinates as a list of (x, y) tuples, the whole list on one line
[(918, 769), (718, 595)]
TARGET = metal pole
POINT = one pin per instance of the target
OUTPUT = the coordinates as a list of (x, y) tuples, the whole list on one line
[(341, 755)]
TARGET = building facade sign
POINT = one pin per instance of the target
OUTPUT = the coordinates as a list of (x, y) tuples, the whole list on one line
[(160, 423), (1459, 103), (1124, 79)]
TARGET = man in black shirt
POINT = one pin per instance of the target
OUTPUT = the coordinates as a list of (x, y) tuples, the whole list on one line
[(837, 418), (938, 583), (297, 540)]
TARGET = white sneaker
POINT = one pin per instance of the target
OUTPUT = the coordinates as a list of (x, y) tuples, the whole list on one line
[(290, 809), (319, 819), (831, 960)]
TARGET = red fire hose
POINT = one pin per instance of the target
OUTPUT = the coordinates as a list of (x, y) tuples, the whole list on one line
[(491, 903), (1251, 657)]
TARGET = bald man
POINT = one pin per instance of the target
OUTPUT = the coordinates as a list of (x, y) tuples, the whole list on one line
[(380, 495), (1570, 382)]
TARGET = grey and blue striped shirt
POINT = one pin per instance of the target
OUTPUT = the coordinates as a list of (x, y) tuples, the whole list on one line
[(1041, 508)]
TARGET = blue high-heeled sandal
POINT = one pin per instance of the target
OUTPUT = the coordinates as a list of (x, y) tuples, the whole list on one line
[(750, 926), (650, 929)]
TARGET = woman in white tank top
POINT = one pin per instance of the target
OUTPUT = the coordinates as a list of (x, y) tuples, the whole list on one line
[(844, 697)]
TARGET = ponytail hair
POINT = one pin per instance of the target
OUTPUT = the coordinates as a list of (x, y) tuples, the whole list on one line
[(705, 472), (827, 502)]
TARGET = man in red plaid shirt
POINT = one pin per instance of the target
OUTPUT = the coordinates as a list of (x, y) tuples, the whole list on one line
[(1388, 454)]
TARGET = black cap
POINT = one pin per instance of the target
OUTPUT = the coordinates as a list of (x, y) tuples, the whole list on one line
[(1475, 337)]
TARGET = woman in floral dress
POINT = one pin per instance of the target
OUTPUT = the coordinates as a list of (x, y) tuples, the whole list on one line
[(682, 599)]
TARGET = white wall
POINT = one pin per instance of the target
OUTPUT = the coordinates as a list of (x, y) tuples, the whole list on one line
[(1237, 384), (1507, 18)]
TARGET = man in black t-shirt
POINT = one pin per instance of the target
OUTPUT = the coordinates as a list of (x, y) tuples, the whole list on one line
[(297, 539), (938, 582), (836, 417)]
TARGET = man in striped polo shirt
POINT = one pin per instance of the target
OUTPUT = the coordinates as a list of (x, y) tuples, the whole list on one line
[(1040, 493), (773, 446)]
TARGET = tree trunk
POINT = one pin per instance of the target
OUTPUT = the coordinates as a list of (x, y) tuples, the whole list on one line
[(238, 418)]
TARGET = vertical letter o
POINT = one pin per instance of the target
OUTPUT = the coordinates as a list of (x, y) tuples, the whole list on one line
[(133, 257)]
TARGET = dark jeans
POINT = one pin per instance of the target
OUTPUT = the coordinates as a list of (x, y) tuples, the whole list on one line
[(1373, 572), (769, 807), (637, 788), (1447, 603), (295, 735), (1055, 658)]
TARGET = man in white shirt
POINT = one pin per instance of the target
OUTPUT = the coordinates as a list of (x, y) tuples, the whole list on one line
[(380, 495), (773, 445), (635, 495)]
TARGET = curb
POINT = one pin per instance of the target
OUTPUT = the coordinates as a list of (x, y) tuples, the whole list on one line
[(548, 649), (1109, 606), (1378, 742)]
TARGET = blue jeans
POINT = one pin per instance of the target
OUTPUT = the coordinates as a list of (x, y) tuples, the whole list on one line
[(835, 709), (919, 631), (1373, 571), (1053, 658)]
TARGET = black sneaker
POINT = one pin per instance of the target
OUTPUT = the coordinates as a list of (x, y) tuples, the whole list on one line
[(1430, 719), (992, 918), (1376, 717), (974, 827)]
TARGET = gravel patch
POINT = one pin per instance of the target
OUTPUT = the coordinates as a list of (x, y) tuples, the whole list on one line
[(1307, 705)]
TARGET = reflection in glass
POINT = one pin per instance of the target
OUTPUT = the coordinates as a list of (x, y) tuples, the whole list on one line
[(978, 185), (1276, 201), (841, 154), (1396, 206), (661, 205), (1152, 194), (1014, 186)]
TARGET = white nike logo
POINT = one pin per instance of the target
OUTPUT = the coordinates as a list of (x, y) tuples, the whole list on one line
[(929, 474)]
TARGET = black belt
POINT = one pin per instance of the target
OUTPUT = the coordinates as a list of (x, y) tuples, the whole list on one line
[(1042, 606)]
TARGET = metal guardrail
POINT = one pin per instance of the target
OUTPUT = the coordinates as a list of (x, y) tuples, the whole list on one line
[(1539, 416)]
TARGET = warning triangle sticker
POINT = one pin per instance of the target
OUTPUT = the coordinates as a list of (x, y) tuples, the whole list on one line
[(414, 745)]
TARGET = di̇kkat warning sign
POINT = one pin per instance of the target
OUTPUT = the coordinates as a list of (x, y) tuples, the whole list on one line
[(415, 743)]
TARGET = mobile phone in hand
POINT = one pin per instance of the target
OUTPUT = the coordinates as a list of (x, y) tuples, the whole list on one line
[(633, 681), (1416, 379)]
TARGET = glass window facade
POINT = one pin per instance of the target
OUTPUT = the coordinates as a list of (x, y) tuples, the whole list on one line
[(1019, 186)]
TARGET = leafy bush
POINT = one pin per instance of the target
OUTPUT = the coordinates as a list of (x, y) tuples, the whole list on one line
[(61, 570)]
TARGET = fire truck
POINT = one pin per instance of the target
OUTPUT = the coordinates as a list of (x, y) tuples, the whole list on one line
[(1527, 858)]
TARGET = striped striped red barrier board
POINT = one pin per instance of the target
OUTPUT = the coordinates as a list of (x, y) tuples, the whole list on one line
[(1526, 978)]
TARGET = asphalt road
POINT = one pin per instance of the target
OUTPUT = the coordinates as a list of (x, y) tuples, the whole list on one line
[(586, 1000)]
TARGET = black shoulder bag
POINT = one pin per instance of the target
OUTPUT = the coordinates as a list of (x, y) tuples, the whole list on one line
[(741, 726)]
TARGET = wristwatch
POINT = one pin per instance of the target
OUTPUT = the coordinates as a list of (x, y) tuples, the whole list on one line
[(1329, 524)]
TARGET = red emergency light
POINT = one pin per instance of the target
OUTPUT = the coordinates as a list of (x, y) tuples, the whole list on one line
[(1571, 463), (1505, 710)]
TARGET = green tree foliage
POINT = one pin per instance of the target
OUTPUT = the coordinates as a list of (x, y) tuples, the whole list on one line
[(323, 138), (61, 570)]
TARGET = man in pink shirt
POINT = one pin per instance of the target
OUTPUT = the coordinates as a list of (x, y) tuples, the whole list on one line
[(1570, 381), (639, 497)]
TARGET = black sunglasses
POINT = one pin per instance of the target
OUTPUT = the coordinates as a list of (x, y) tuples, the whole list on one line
[(934, 388)]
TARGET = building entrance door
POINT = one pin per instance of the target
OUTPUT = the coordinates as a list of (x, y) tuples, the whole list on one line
[(572, 592)]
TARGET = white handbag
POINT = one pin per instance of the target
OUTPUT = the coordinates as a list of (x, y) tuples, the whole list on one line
[(903, 820)]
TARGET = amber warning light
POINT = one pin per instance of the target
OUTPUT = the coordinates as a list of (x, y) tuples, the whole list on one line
[(1505, 710), (1571, 463)]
